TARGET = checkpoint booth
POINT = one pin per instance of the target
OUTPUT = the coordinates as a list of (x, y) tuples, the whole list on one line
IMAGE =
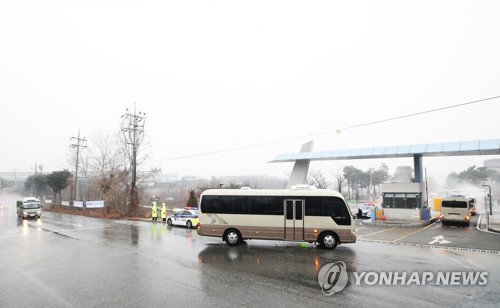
[(404, 201)]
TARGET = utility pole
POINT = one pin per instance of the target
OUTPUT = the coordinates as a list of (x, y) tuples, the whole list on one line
[(77, 145), (489, 195), (36, 168), (132, 128)]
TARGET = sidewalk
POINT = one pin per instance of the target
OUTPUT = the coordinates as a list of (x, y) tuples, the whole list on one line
[(494, 221), (403, 223), (489, 222), (400, 223)]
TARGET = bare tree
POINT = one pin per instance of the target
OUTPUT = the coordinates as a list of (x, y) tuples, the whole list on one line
[(318, 179), (111, 180), (340, 179)]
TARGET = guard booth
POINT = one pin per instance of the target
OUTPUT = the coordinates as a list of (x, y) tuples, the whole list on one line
[(404, 201)]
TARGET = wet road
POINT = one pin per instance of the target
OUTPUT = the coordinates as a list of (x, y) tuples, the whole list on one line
[(71, 261), (456, 237)]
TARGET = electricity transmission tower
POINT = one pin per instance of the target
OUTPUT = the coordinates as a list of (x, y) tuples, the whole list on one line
[(132, 127), (77, 145)]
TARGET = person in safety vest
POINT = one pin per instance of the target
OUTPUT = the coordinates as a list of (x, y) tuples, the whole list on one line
[(164, 212), (154, 213)]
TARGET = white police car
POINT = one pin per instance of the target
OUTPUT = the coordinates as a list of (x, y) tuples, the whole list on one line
[(188, 218), (365, 210)]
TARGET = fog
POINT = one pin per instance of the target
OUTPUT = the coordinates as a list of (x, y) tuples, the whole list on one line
[(227, 85)]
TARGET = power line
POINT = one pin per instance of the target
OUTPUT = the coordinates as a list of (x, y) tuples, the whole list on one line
[(330, 131), (417, 113)]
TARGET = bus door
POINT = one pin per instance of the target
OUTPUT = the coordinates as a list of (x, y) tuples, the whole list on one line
[(294, 219)]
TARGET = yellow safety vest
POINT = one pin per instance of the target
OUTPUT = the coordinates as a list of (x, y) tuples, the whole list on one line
[(154, 213), (163, 211)]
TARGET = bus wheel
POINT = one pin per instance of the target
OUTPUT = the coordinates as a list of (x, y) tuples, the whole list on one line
[(232, 237), (189, 224), (328, 240)]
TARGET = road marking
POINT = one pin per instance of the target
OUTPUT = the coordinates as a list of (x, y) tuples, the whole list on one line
[(431, 246), (420, 230), (376, 232), (440, 240)]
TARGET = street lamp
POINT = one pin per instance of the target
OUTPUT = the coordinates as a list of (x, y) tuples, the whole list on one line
[(489, 195)]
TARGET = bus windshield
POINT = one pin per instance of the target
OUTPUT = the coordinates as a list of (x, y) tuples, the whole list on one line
[(455, 204), (31, 205)]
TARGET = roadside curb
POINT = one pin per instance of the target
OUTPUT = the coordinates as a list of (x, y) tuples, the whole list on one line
[(493, 230), (487, 228)]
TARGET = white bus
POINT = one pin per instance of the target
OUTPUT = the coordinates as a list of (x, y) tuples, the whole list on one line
[(455, 210), (310, 215)]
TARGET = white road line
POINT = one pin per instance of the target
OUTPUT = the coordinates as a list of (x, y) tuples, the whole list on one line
[(432, 246), (376, 232), (419, 230)]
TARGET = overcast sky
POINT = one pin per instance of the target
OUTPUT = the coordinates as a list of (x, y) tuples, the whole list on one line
[(216, 75)]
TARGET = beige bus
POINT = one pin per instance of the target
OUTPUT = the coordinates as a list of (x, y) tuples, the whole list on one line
[(455, 210), (29, 207), (309, 215)]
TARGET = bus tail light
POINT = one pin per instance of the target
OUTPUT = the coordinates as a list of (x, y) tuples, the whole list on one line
[(198, 226), (441, 216)]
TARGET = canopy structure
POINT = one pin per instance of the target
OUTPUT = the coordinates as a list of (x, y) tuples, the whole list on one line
[(417, 151), (459, 148)]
